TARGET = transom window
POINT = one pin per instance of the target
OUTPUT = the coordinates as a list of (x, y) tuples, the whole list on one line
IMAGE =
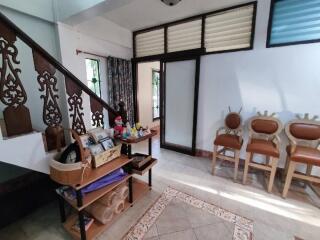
[(93, 75), (225, 30), (155, 94)]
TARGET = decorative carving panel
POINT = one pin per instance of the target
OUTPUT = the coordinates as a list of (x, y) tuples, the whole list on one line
[(12, 92), (52, 116), (97, 113), (75, 106)]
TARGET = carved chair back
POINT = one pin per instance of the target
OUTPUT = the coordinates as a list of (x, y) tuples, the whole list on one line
[(303, 132), (264, 127), (232, 123)]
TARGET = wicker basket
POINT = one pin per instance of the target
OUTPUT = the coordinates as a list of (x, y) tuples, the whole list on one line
[(106, 156), (69, 174)]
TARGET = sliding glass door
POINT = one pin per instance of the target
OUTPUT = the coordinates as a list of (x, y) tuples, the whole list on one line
[(179, 103)]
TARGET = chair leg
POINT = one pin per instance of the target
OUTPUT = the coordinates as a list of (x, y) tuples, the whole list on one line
[(274, 164), (286, 166), (291, 169), (236, 164), (268, 160), (246, 167), (308, 173), (309, 169), (214, 158)]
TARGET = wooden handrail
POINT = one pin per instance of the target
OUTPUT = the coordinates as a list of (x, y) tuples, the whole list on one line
[(32, 44)]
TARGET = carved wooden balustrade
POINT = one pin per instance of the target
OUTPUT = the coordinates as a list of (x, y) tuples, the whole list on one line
[(13, 95)]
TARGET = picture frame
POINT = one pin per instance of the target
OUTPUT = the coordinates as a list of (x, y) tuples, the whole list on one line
[(107, 144), (86, 140), (96, 149), (98, 134)]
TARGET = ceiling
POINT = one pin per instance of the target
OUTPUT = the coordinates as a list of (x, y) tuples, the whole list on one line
[(139, 14)]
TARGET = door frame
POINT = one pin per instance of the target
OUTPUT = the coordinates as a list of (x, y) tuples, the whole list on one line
[(163, 144), (135, 82)]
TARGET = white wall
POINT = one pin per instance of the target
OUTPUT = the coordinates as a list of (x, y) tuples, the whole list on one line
[(38, 8), (145, 93), (106, 30), (66, 8), (285, 80), (73, 38)]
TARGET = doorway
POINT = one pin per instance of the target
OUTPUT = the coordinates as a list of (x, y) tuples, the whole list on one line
[(148, 94), (167, 100)]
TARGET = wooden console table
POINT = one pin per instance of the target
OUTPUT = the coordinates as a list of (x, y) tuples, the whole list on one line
[(137, 189)]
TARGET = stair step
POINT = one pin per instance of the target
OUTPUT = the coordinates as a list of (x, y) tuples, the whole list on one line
[(26, 151)]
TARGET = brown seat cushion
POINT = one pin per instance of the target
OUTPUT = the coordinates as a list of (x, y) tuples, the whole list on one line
[(264, 126), (228, 140), (305, 131), (305, 155), (263, 147)]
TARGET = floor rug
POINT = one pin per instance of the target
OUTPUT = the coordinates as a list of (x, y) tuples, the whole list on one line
[(243, 227)]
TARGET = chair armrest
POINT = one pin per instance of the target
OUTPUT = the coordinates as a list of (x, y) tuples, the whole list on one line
[(219, 130), (276, 140), (240, 133), (293, 147), (249, 137)]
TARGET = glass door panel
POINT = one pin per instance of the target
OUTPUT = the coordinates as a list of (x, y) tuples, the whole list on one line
[(180, 105)]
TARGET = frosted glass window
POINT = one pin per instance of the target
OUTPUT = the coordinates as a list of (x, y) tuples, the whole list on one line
[(179, 102), (295, 21), (184, 36), (228, 30), (150, 43)]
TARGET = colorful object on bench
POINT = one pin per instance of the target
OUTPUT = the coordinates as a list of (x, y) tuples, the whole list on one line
[(127, 131), (134, 132), (115, 176), (118, 129)]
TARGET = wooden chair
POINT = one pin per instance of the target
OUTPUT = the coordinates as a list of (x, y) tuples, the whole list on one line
[(304, 139), (230, 141), (263, 140)]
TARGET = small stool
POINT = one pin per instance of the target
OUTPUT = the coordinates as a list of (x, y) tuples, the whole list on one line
[(230, 141)]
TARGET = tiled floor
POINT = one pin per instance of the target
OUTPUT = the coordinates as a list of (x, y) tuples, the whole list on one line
[(274, 217), (182, 221)]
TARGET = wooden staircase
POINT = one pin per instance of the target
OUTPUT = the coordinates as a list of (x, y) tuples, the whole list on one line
[(25, 147)]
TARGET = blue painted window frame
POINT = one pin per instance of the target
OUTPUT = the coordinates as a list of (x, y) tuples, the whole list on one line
[(270, 23)]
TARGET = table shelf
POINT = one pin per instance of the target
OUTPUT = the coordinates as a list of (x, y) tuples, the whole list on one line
[(142, 170), (139, 139), (137, 189), (97, 228), (97, 173), (95, 195)]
